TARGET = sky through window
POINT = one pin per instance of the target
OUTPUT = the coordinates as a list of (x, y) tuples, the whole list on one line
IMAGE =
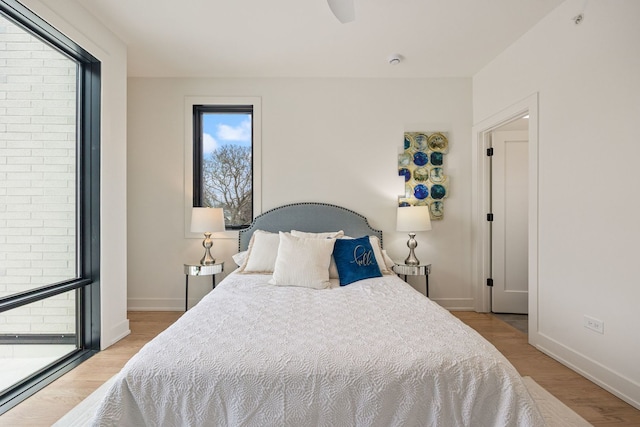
[(220, 129)]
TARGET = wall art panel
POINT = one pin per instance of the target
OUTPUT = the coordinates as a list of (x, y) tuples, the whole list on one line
[(422, 166)]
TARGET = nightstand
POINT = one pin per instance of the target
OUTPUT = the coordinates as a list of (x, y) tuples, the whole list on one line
[(414, 270), (200, 270)]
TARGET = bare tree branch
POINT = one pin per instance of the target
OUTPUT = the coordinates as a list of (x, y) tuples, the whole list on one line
[(227, 183)]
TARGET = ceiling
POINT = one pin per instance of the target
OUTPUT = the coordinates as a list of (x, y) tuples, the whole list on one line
[(302, 38)]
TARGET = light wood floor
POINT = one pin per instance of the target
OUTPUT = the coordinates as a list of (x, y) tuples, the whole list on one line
[(590, 401), (593, 403)]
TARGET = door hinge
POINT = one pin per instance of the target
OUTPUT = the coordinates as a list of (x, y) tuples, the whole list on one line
[(489, 217), (490, 151), (489, 282)]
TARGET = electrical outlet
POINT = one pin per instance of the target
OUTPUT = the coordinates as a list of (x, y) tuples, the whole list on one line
[(594, 324)]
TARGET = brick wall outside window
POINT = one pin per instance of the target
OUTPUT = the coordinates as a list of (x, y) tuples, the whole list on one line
[(37, 180)]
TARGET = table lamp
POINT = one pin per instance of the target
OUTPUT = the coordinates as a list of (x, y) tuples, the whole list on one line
[(207, 220), (412, 219)]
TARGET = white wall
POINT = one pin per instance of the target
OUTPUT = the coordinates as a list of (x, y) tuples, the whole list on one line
[(327, 140), (85, 30), (588, 80)]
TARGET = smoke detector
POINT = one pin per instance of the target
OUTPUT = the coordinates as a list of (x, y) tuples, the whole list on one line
[(395, 59)]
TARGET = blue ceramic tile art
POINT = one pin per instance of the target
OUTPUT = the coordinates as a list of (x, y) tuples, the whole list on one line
[(422, 166)]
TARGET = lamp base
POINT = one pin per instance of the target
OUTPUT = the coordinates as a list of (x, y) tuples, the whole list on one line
[(412, 244), (207, 259)]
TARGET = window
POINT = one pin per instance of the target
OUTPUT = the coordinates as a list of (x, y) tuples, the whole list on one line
[(49, 187), (223, 172)]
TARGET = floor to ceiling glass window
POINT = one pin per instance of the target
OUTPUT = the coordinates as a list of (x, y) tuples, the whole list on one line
[(49, 192)]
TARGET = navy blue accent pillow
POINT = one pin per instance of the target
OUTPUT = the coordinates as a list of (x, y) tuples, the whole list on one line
[(355, 260)]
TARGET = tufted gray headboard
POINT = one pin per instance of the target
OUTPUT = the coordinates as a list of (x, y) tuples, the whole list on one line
[(309, 217)]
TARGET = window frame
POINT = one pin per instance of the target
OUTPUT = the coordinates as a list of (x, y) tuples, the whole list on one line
[(198, 112), (87, 280), (189, 149)]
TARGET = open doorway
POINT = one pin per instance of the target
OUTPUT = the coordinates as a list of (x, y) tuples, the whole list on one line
[(484, 135), (509, 214), (509, 228)]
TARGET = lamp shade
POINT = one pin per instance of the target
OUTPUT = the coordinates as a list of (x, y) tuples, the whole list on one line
[(207, 220), (413, 218)]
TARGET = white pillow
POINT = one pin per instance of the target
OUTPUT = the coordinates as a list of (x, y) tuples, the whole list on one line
[(387, 260), (262, 252), (377, 251), (333, 269), (240, 258), (328, 234), (302, 262)]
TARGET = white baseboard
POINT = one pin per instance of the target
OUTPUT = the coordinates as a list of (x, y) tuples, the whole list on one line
[(456, 304), (116, 333), (622, 387), (158, 304)]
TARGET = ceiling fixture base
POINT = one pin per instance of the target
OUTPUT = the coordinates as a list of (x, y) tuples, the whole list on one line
[(395, 59)]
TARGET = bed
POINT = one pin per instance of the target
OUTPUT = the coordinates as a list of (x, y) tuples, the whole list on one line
[(374, 352)]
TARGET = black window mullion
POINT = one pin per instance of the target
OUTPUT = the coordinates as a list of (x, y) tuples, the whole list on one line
[(197, 155), (33, 295), (89, 257)]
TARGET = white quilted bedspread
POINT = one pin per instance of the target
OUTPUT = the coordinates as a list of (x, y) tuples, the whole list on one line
[(373, 353)]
